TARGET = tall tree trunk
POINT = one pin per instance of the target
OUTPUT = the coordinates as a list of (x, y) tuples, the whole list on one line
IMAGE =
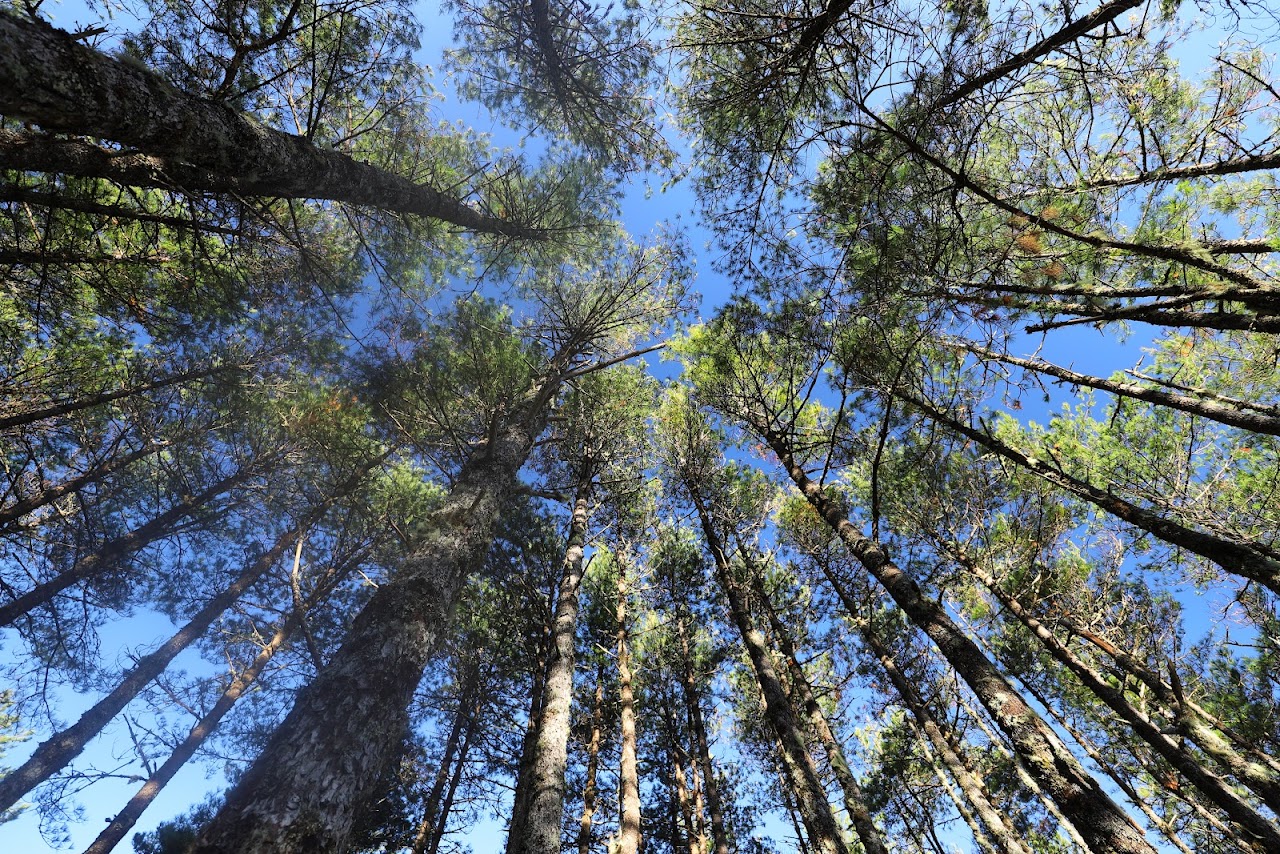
[(854, 802), (948, 750), (442, 822), (461, 722), (628, 770), (693, 710), (54, 754), (528, 745), (593, 766), (330, 752), (48, 78), (1078, 795), (114, 833), (1214, 788), (1248, 560), (551, 754), (104, 558), (802, 775)]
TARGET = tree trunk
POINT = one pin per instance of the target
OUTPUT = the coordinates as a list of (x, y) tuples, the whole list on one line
[(551, 754), (854, 802), (455, 780), (802, 775), (124, 821), (104, 558), (54, 754), (628, 772), (693, 710), (48, 78), (118, 462), (593, 767), (1213, 787), (528, 745), (1103, 824), (330, 752), (461, 722)]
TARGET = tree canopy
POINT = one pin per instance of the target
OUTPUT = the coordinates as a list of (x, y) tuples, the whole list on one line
[(366, 444)]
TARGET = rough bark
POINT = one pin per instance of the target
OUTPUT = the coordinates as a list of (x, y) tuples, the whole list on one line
[(593, 767), (48, 78), (628, 767), (111, 551), (551, 753), (528, 744), (1103, 824), (802, 775), (693, 710), (1214, 788), (54, 754), (854, 802), (331, 750)]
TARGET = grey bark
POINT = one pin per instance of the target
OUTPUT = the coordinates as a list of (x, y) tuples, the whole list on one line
[(48, 78), (551, 754), (1102, 823), (589, 790), (854, 802), (327, 756), (628, 770), (802, 775)]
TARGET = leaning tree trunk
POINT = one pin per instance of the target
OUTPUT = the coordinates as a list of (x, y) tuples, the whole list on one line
[(48, 78), (1214, 788), (524, 770), (54, 755), (461, 723), (802, 775), (114, 833), (855, 803), (333, 747), (1103, 824), (693, 709), (628, 770), (551, 753)]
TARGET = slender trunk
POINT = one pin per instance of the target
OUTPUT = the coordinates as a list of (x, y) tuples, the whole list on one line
[(960, 800), (551, 753), (66, 407), (461, 722), (802, 775), (628, 771), (455, 780), (1253, 767), (49, 79), (124, 820), (943, 742), (1078, 795), (105, 557), (331, 750), (679, 781), (528, 745), (1213, 787), (1256, 422), (693, 710), (54, 754), (593, 767), (1242, 558), (1166, 828), (47, 496), (854, 802)]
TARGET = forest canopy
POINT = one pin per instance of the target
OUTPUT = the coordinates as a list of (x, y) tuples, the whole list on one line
[(369, 449)]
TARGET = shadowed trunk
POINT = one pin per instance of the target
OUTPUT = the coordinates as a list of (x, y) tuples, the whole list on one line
[(593, 767), (461, 722), (693, 709), (1102, 823)]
